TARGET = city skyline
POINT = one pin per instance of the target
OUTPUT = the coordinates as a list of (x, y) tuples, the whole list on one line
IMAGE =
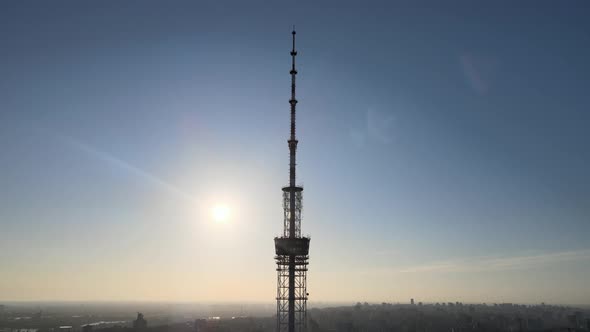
[(444, 150)]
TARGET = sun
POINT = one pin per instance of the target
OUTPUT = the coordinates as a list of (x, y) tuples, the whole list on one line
[(220, 213)]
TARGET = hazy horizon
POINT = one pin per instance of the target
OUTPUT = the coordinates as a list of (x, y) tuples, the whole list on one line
[(443, 148), (272, 304)]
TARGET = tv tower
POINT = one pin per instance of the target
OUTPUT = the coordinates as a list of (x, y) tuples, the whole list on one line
[(292, 249)]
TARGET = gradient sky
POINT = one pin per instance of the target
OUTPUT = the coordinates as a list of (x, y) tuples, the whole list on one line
[(443, 149)]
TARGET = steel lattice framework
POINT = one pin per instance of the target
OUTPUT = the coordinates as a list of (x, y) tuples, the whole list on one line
[(292, 249)]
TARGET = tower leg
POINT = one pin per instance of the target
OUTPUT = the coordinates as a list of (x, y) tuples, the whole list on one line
[(291, 293)]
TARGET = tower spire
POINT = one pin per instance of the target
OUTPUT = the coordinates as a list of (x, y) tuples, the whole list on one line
[(293, 102)]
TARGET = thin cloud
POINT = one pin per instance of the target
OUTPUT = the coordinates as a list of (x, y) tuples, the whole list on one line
[(358, 138), (380, 125), (114, 161), (377, 127), (478, 71), (500, 263), (386, 252)]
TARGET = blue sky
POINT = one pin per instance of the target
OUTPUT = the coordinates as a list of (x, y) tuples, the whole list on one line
[(443, 149)]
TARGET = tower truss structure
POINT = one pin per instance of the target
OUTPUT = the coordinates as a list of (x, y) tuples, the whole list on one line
[(291, 248)]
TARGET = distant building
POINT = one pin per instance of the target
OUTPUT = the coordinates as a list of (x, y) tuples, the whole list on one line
[(579, 319), (412, 301), (207, 325), (140, 322)]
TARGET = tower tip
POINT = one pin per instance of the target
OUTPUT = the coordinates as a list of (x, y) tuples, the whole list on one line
[(293, 52)]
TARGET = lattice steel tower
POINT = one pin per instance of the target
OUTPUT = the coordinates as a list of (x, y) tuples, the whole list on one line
[(291, 248)]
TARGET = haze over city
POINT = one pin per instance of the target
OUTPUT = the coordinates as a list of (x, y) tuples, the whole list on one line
[(443, 148)]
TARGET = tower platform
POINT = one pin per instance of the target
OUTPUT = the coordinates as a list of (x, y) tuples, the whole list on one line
[(285, 246)]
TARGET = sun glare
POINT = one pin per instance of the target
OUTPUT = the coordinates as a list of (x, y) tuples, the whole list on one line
[(220, 213)]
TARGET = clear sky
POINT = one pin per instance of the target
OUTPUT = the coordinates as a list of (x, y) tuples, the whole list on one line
[(443, 149)]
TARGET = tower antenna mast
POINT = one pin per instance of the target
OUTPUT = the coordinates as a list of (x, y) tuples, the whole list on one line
[(292, 249)]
